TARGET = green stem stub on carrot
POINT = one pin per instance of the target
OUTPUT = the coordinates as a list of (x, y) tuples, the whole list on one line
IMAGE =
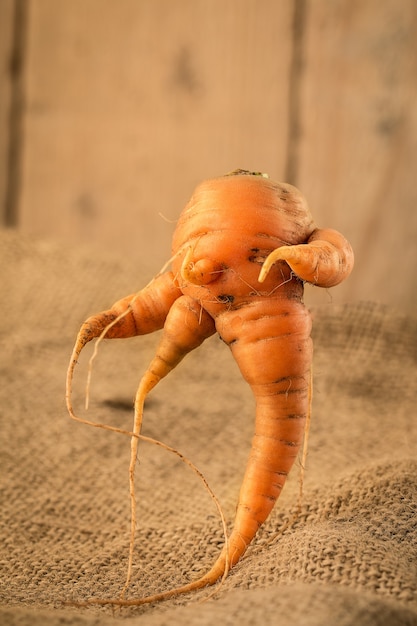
[(242, 250)]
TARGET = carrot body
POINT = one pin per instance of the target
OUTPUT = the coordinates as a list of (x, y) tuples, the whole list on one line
[(242, 249)]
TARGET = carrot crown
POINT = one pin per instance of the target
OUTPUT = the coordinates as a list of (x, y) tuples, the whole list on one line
[(240, 172)]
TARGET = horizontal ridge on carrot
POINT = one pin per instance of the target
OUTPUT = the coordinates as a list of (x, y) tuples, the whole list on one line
[(243, 248)]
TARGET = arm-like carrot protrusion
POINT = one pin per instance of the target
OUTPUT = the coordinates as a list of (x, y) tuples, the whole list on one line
[(242, 250), (325, 260), (138, 314)]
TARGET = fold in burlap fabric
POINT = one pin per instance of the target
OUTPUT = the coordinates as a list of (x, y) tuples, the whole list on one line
[(349, 558)]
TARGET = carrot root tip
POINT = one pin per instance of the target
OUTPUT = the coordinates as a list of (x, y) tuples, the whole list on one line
[(276, 255)]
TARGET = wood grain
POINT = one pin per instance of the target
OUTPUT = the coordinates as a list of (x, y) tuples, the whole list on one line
[(358, 146), (130, 105)]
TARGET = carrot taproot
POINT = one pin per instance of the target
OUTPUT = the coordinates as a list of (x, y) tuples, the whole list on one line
[(242, 249)]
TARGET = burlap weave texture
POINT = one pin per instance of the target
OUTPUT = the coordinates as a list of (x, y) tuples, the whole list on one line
[(349, 558)]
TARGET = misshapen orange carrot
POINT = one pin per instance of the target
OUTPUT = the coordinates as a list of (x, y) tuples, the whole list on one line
[(242, 250)]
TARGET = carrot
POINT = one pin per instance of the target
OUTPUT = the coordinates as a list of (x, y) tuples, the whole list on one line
[(242, 249)]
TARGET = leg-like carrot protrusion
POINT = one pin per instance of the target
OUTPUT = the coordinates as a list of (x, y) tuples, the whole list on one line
[(186, 327), (276, 334)]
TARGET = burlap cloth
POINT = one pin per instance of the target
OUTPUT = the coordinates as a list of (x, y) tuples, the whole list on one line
[(351, 556)]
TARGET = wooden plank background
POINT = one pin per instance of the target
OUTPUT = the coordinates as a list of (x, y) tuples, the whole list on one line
[(121, 108)]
